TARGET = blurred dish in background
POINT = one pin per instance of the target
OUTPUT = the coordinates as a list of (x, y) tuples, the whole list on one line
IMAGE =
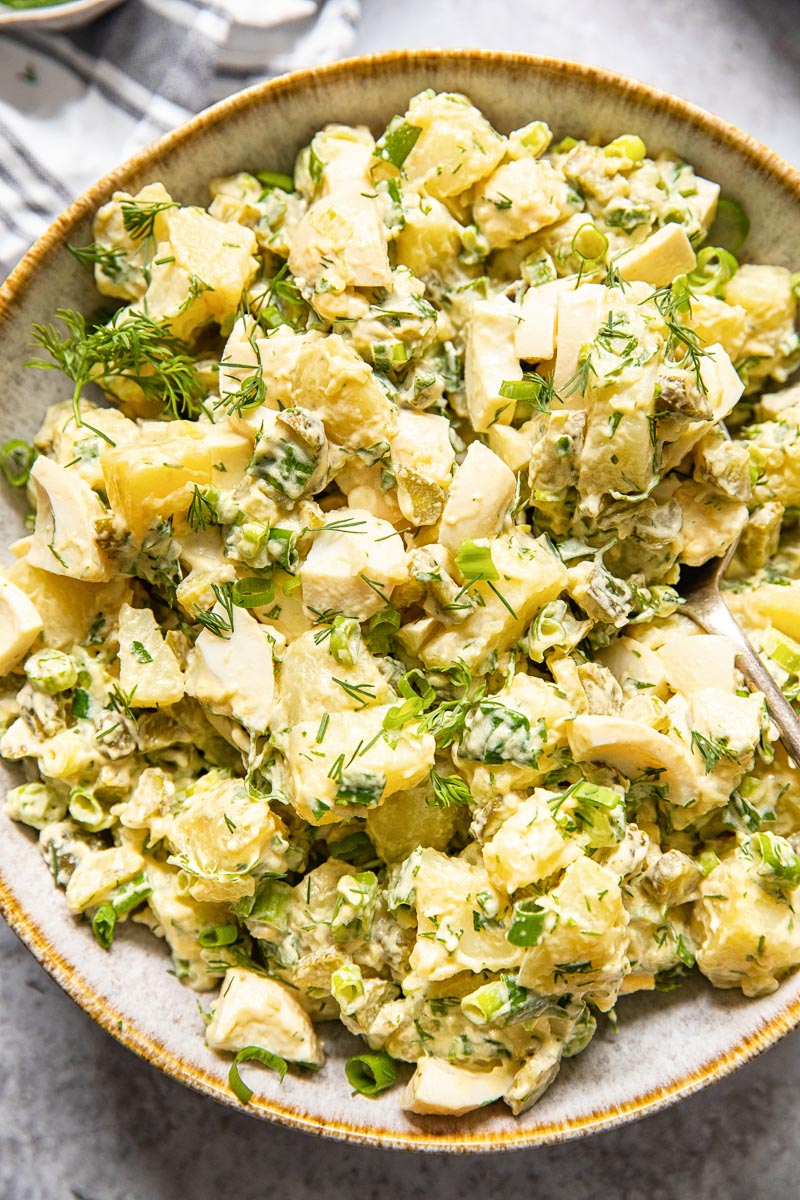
[(51, 14)]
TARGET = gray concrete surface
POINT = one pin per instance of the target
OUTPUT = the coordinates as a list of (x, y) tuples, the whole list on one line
[(81, 1117)]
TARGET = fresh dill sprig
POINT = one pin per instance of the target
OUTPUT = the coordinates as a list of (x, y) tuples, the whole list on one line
[(138, 216), (130, 347), (250, 394), (674, 302), (360, 692), (202, 512), (107, 258), (712, 750), (221, 626), (449, 791)]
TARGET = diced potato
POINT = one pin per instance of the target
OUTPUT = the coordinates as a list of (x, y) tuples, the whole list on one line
[(255, 1011), (68, 608), (529, 846), (178, 918), (665, 254), (221, 834), (77, 446), (765, 292), (97, 875), (407, 820), (529, 576), (220, 254), (438, 1086), (514, 446), (65, 535), (460, 920), (745, 936), (155, 476), (711, 522), (20, 625), (457, 145), (714, 321), (344, 152), (340, 243), (148, 669), (326, 373), (307, 687), (778, 603), (233, 675), (430, 239), (353, 569), (356, 765), (518, 199), (583, 951), (480, 496), (121, 274)]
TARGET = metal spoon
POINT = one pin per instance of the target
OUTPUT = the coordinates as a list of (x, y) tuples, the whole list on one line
[(699, 587)]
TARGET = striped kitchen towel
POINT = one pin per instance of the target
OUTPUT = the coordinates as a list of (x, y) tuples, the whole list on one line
[(74, 105)]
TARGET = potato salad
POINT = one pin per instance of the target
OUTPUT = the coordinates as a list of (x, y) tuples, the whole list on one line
[(344, 649)]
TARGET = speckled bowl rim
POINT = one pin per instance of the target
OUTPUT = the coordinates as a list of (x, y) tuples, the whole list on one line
[(74, 12), (758, 157)]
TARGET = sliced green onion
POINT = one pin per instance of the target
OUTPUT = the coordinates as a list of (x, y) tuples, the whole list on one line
[(566, 144), (104, 923), (527, 923), (520, 389), (715, 266), (730, 226), (418, 695), (538, 138), (397, 142), (370, 1074), (707, 861), (217, 935), (253, 592), (16, 460), (787, 658), (347, 987), (380, 629), (271, 904), (628, 145), (274, 179), (345, 640), (237, 1085), (590, 244), (388, 356), (356, 849), (131, 894), (87, 810), (475, 562), (779, 861)]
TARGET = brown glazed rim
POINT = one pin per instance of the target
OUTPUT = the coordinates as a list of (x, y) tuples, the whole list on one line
[(759, 158)]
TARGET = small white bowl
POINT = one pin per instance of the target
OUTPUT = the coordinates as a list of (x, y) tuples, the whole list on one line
[(55, 16)]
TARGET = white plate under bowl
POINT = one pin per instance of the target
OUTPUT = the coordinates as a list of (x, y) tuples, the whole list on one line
[(668, 1045)]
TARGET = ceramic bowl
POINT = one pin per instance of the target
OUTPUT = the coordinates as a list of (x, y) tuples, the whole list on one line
[(668, 1045), (55, 17)]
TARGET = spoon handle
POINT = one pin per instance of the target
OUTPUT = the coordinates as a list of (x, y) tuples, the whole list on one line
[(714, 616)]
